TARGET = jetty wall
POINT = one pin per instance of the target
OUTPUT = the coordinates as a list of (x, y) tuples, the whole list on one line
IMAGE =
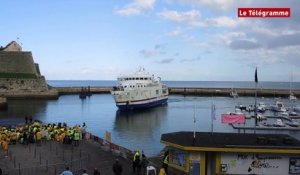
[(191, 91)]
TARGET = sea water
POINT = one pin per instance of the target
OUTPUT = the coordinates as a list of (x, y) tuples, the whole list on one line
[(135, 130)]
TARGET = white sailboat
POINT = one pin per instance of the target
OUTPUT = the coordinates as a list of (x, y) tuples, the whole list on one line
[(233, 93), (292, 97)]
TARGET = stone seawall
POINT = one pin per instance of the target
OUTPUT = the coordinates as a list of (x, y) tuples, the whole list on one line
[(192, 91), (52, 94), (77, 90), (226, 91), (17, 85)]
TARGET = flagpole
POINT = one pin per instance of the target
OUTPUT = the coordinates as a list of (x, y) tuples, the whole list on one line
[(255, 107), (213, 115), (194, 123), (194, 136), (212, 122)]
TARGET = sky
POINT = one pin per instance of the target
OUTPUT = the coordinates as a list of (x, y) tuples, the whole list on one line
[(180, 40)]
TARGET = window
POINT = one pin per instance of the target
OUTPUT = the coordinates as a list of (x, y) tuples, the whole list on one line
[(178, 157)]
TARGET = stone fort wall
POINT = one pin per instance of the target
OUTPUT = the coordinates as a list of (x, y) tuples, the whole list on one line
[(20, 75), (17, 62)]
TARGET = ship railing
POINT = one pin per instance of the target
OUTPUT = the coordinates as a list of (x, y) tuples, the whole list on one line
[(116, 88)]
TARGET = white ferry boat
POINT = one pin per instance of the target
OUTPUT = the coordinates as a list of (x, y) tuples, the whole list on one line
[(140, 90)]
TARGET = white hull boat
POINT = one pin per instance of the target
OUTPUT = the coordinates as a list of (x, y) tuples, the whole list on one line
[(139, 90)]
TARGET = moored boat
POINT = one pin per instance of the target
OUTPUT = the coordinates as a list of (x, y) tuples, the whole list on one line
[(296, 108), (278, 107), (139, 90), (233, 93)]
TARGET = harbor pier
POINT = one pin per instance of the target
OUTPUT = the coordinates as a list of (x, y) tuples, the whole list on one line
[(247, 92)]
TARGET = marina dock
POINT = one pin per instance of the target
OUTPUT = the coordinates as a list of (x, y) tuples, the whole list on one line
[(261, 127)]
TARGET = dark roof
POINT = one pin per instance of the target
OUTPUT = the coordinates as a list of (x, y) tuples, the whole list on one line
[(231, 140)]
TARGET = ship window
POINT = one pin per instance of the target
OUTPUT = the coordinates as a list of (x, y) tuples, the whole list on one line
[(137, 78), (126, 78), (125, 86), (156, 92)]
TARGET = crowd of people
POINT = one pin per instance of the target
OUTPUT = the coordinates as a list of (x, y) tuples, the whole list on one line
[(37, 132)]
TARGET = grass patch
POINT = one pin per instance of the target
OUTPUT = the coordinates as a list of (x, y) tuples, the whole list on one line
[(18, 75)]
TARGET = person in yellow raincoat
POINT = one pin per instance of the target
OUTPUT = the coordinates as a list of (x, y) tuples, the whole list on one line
[(162, 171), (5, 147)]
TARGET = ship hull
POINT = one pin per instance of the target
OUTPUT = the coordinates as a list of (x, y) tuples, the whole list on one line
[(141, 104)]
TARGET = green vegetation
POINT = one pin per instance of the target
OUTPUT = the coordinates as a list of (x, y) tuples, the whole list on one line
[(18, 75)]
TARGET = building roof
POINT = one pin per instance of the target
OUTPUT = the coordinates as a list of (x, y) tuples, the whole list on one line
[(231, 141), (12, 42)]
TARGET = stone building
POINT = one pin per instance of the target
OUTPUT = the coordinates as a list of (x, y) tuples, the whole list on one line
[(19, 75)]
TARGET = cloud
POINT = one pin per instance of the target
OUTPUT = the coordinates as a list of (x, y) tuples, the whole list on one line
[(191, 60), (150, 53), (244, 44), (86, 70), (176, 54), (158, 50), (221, 4), (135, 8), (255, 41), (193, 18), (165, 61), (159, 47), (222, 21), (176, 32), (285, 41)]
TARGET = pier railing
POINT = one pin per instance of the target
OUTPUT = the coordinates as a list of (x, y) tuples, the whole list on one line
[(109, 146)]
